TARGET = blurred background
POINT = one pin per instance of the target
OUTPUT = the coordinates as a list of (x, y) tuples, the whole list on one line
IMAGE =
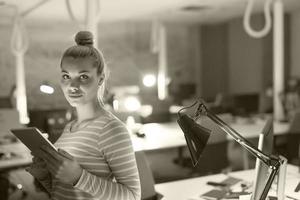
[(161, 56)]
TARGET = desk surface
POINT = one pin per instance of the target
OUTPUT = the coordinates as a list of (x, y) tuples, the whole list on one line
[(191, 189), (22, 157), (158, 136), (169, 135)]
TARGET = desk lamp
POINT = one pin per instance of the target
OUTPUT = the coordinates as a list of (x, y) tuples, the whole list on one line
[(197, 136)]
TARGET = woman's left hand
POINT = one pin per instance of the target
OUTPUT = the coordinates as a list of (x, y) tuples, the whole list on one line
[(61, 165)]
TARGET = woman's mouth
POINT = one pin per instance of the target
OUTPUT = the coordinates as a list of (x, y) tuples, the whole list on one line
[(75, 95)]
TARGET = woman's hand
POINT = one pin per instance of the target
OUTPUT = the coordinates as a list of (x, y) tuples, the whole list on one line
[(38, 168), (61, 165)]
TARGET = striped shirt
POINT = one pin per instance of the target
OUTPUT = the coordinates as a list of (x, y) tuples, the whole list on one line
[(104, 151)]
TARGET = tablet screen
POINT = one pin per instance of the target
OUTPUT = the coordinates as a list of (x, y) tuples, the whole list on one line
[(32, 138)]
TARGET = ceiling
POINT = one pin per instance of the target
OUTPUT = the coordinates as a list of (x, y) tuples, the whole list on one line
[(183, 11)]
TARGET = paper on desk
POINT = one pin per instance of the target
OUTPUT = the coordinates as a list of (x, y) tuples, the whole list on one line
[(245, 197), (196, 198), (291, 185)]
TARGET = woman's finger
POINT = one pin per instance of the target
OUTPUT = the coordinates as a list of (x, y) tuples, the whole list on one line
[(48, 158), (51, 168), (51, 153), (36, 159), (45, 135)]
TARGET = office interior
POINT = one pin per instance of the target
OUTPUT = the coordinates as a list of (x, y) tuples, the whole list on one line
[(174, 53)]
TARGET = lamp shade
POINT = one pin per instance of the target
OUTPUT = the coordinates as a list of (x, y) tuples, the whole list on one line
[(196, 136)]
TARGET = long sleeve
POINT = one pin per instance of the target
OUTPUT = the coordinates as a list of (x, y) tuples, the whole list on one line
[(117, 149)]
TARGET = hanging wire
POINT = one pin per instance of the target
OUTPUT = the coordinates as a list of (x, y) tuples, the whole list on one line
[(70, 12), (34, 7), (267, 14), (72, 15), (19, 40), (98, 10), (155, 38)]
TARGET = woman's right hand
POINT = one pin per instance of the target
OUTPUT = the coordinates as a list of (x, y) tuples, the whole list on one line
[(38, 168)]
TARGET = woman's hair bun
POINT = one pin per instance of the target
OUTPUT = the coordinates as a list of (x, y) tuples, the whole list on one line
[(84, 38)]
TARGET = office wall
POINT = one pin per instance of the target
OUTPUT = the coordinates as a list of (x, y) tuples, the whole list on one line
[(245, 59), (230, 61), (214, 59), (295, 43), (126, 47), (7, 75)]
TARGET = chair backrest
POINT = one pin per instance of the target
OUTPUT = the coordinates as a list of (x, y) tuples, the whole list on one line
[(146, 176)]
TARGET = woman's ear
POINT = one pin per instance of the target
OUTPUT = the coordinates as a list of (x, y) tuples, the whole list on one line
[(101, 79)]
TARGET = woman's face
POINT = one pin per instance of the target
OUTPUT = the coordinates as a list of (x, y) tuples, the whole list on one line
[(79, 80)]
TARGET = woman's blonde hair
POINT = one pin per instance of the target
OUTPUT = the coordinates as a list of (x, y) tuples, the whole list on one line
[(83, 49)]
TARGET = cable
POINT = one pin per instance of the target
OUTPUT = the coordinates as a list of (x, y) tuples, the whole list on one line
[(267, 14), (34, 7), (70, 11), (19, 39)]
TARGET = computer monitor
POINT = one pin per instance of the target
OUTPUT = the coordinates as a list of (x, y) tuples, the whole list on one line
[(265, 144), (246, 104)]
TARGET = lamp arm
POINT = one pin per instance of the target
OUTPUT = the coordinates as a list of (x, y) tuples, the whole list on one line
[(239, 138), (271, 161)]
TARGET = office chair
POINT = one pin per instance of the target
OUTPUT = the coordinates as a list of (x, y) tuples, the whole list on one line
[(146, 177)]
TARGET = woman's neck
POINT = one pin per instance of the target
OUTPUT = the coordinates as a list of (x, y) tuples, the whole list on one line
[(88, 111)]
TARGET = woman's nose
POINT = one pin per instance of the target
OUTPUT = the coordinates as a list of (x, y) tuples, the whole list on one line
[(74, 84)]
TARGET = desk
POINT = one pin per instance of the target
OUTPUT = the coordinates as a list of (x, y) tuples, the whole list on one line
[(252, 130), (159, 136), (169, 135), (188, 189), (281, 127), (23, 157)]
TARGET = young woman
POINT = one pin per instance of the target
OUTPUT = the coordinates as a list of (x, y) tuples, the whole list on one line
[(95, 158)]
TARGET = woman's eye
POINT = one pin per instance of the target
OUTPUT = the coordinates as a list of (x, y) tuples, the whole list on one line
[(84, 77), (65, 77)]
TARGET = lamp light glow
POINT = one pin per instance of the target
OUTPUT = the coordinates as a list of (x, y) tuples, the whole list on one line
[(132, 104), (149, 80), (146, 110), (116, 105)]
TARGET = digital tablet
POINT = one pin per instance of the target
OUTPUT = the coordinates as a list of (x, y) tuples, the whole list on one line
[(32, 138)]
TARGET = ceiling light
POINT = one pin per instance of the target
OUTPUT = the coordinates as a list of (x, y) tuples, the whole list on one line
[(149, 80), (46, 88)]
